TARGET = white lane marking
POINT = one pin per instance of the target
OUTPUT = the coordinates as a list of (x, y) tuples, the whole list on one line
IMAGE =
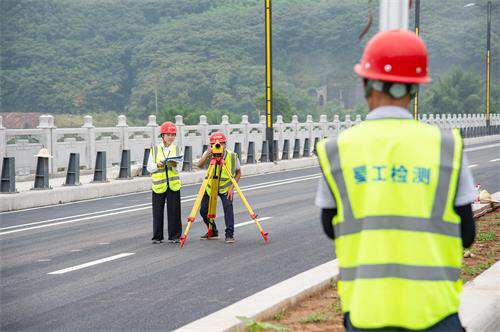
[(139, 205), (473, 165), (135, 193), (76, 250), (99, 261), (72, 221), (482, 147), (44, 260), (241, 224), (75, 216), (142, 208), (103, 243), (493, 160)]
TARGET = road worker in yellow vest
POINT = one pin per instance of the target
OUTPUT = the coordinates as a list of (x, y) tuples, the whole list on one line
[(166, 185), (226, 188), (396, 196)]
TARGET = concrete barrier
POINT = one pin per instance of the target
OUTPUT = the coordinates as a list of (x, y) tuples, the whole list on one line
[(59, 195)]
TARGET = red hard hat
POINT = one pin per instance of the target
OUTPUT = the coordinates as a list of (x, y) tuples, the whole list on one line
[(218, 136), (168, 128), (394, 56)]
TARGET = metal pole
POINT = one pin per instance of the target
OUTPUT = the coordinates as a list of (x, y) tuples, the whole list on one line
[(156, 100), (269, 86), (417, 31), (488, 68)]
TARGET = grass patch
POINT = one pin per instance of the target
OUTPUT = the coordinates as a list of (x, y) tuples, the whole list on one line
[(476, 269), (314, 318), (255, 326), (336, 307), (488, 236), (279, 315), (333, 284)]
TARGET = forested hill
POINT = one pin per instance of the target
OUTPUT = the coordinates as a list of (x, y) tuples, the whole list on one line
[(62, 56)]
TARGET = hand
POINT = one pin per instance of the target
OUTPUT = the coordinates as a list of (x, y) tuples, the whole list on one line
[(209, 151), (159, 164), (173, 163), (230, 193)]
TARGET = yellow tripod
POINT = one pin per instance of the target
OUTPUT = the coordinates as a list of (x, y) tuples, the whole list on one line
[(212, 176)]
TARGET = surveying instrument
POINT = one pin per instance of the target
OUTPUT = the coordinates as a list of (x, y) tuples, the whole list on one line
[(212, 179)]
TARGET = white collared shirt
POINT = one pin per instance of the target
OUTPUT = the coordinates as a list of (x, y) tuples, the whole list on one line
[(152, 167)]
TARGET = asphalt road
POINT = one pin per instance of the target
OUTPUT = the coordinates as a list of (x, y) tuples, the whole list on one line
[(91, 266)]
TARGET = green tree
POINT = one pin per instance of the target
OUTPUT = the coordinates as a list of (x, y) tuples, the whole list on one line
[(281, 106), (457, 92)]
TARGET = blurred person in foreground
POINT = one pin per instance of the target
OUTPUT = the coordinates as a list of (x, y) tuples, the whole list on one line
[(396, 196)]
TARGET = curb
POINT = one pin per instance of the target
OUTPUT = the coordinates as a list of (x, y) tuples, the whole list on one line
[(480, 302), (479, 140), (479, 306), (61, 194)]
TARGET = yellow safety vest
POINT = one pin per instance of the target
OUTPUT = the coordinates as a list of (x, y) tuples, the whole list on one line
[(159, 178), (398, 238), (225, 181)]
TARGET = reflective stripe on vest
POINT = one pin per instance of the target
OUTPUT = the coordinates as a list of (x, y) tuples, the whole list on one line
[(160, 182), (410, 259), (225, 181)]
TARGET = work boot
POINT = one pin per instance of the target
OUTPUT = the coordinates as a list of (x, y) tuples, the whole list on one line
[(229, 239), (215, 236)]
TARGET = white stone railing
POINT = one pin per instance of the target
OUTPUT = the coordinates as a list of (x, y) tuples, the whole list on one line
[(23, 144)]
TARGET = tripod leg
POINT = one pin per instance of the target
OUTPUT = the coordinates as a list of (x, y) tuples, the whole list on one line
[(212, 201), (245, 202), (197, 202)]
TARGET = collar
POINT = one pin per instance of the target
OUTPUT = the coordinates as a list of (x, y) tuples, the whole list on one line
[(388, 112)]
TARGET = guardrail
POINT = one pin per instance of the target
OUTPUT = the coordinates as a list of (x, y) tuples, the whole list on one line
[(293, 140)]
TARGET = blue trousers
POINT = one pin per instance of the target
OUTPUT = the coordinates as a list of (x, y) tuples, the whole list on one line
[(227, 205), (450, 323)]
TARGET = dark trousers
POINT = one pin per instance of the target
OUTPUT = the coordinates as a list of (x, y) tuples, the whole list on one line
[(227, 205), (450, 323), (173, 199)]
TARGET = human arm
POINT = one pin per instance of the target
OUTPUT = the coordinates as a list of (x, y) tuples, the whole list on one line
[(206, 155), (152, 166), (463, 203)]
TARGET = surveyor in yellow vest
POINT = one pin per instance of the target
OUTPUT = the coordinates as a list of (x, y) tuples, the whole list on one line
[(166, 185), (396, 197), (225, 188)]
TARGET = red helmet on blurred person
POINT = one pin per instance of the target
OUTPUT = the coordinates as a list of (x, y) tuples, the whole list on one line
[(394, 56), (218, 136), (168, 128)]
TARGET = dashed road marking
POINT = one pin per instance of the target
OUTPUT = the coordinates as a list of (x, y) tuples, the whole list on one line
[(473, 165), (493, 160), (99, 261), (251, 222)]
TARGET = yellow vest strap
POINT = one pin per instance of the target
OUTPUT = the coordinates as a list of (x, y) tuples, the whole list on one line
[(409, 272), (436, 226), (160, 181), (225, 185), (446, 163)]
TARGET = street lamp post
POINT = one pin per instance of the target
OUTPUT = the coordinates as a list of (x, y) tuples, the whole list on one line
[(269, 84), (488, 60), (417, 32), (488, 68)]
